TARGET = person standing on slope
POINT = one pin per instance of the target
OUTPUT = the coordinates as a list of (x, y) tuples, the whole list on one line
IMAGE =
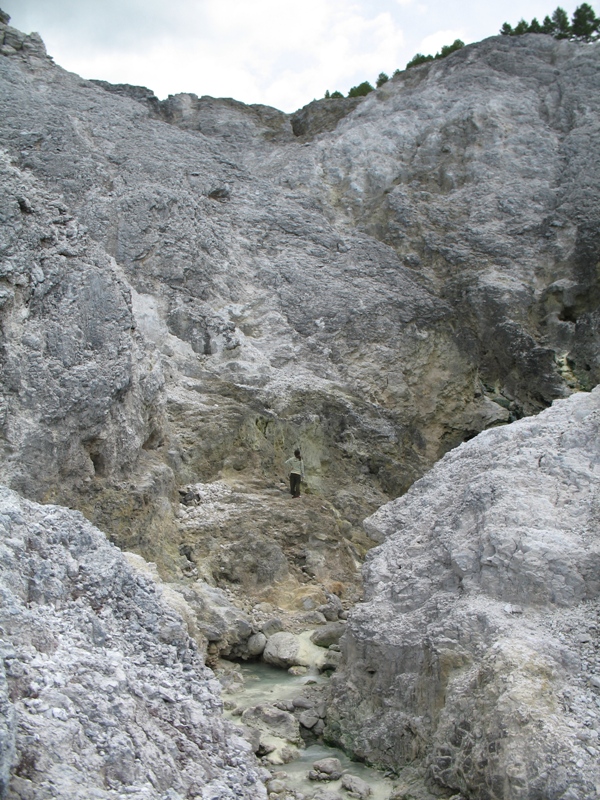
[(296, 469)]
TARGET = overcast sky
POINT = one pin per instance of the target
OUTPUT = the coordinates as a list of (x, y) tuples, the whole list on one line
[(283, 53)]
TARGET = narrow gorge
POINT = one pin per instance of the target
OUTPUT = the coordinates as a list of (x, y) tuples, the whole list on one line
[(405, 286)]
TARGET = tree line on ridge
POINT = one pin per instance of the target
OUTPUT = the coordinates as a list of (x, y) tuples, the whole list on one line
[(583, 27)]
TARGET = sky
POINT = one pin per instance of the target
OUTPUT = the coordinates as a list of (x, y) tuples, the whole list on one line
[(282, 53)]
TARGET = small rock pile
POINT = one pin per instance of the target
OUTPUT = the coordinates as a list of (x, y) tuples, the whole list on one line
[(326, 771), (309, 709)]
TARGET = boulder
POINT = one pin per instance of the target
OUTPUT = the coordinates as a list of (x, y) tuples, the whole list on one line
[(222, 622), (273, 721), (329, 634), (332, 609), (283, 650), (356, 786), (329, 766), (278, 730), (308, 719), (288, 651), (326, 794), (326, 769), (256, 644)]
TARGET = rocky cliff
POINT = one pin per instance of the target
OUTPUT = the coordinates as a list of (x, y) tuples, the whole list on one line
[(476, 649), (190, 289), (198, 290)]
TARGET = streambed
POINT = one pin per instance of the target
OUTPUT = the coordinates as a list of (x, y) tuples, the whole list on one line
[(266, 685)]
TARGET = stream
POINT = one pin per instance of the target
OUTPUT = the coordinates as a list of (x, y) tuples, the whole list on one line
[(266, 685)]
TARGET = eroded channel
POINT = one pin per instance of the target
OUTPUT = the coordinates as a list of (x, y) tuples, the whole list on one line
[(275, 707)]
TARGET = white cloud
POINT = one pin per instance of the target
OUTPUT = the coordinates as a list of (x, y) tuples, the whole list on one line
[(359, 50), (276, 54), (433, 43), (280, 52)]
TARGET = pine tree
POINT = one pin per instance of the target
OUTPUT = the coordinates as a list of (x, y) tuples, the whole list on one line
[(506, 29), (418, 59), (535, 27), (548, 25), (521, 27), (457, 44), (560, 20), (361, 90), (585, 25), (383, 78)]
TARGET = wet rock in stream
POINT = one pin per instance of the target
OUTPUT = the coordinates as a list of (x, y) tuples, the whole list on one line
[(327, 769), (356, 787), (326, 794), (284, 718)]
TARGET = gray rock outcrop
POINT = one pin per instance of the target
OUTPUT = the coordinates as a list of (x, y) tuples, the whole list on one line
[(420, 272), (477, 647), (190, 289), (81, 394), (105, 694)]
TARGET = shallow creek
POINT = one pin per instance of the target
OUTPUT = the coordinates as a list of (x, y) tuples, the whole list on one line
[(267, 685)]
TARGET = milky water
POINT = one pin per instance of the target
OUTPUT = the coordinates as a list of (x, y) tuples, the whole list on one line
[(264, 684)]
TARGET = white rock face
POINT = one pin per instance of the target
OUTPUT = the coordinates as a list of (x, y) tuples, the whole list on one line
[(105, 693), (189, 288), (287, 650), (477, 647)]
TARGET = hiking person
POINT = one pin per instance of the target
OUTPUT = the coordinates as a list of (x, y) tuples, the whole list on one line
[(295, 466)]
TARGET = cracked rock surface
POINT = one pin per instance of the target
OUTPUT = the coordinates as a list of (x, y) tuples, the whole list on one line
[(477, 650), (411, 269), (105, 695)]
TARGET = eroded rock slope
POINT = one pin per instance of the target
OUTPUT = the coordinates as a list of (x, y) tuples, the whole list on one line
[(476, 649), (191, 289), (104, 693), (402, 275)]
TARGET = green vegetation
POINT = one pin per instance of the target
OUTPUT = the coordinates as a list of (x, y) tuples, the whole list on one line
[(418, 59), (445, 51), (365, 87), (333, 95), (361, 90), (584, 25)]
